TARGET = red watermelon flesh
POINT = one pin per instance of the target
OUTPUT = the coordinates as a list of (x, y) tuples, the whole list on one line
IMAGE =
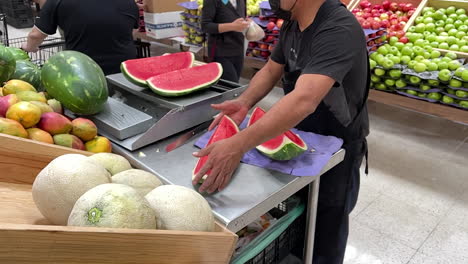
[(283, 147), (185, 81), (140, 70), (226, 129)]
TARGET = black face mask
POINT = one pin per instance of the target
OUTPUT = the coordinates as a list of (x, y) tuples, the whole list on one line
[(280, 13)]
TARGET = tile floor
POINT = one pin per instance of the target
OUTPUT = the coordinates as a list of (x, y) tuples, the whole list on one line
[(413, 205)]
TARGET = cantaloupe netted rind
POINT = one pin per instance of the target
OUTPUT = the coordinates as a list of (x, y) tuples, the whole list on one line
[(142, 181), (112, 162), (180, 208), (59, 185), (112, 205)]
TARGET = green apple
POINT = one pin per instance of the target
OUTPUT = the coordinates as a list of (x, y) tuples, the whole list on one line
[(422, 95), (442, 65), (451, 55), (460, 11), (412, 92), (436, 60), (394, 51), (444, 75), (463, 104), (464, 49), (374, 55), (465, 76), (372, 63), (428, 20), (452, 40), (419, 58), (455, 83), (393, 40), (463, 28), (435, 54), (449, 21), (411, 64), (454, 17), (408, 51), (415, 80), (453, 65), (420, 67), (434, 96), (395, 73), (462, 17), (444, 46), (452, 32), (379, 72), (380, 60), (382, 50), (441, 39), (433, 83), (459, 72), (450, 91), (461, 94), (381, 86), (424, 87), (460, 34), (458, 23), (435, 44), (431, 38), (400, 83), (411, 29), (450, 10), (447, 99), (419, 20), (448, 27), (454, 47), (388, 64), (427, 55), (405, 59), (438, 15), (375, 78), (389, 82), (399, 45), (432, 66), (461, 43), (418, 51), (439, 30)]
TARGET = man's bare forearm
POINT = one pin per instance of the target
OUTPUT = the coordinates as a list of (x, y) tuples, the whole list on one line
[(35, 38)]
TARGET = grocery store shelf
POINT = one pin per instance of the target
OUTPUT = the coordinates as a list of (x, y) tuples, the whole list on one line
[(438, 110)]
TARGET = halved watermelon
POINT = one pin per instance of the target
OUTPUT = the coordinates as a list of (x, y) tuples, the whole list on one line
[(185, 81), (283, 147), (226, 129), (140, 70)]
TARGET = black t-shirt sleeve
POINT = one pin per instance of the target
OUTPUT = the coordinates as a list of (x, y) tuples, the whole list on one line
[(278, 54), (332, 54), (136, 11), (47, 23)]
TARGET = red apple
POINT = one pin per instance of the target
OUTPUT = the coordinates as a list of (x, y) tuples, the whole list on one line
[(403, 18), (252, 44), (367, 10), (380, 32), (271, 26), (271, 48), (386, 4), (407, 7), (355, 10), (263, 46), (394, 22), (370, 43), (399, 13), (400, 34), (373, 35), (393, 16), (391, 34), (366, 25), (365, 4), (269, 38), (393, 6), (279, 23), (385, 24), (265, 54), (276, 32), (410, 13), (381, 11), (378, 7), (275, 42), (366, 15), (404, 40), (401, 6), (375, 25)]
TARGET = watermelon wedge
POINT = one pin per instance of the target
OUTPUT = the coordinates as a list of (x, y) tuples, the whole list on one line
[(226, 129), (140, 70), (185, 81), (283, 147)]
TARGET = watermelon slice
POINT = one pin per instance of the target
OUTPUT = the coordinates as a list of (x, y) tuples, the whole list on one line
[(226, 129), (283, 147), (185, 81), (140, 70)]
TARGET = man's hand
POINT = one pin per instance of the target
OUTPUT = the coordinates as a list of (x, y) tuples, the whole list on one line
[(235, 109), (239, 25), (28, 49), (223, 158)]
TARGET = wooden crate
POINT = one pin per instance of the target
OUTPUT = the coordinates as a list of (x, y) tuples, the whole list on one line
[(27, 237), (438, 4)]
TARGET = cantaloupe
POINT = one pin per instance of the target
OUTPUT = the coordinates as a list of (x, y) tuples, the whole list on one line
[(59, 185), (114, 206), (142, 181), (180, 208), (112, 162)]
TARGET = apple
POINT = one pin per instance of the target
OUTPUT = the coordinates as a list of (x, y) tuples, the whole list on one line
[(445, 75), (384, 16), (395, 73), (412, 92), (444, 46), (400, 83), (263, 46), (454, 65), (432, 66), (459, 72), (375, 78), (270, 26), (447, 99), (463, 104), (401, 6), (451, 55), (372, 63), (420, 67), (433, 83), (379, 72), (455, 83), (385, 23), (400, 34), (256, 53), (450, 91), (415, 80), (408, 51), (405, 59), (252, 45), (386, 5), (279, 23), (411, 64), (271, 48), (393, 7), (422, 95), (269, 39), (399, 45), (461, 94), (265, 54), (381, 86), (389, 82), (408, 7), (382, 50), (424, 87), (365, 4), (388, 63), (465, 76), (434, 96)]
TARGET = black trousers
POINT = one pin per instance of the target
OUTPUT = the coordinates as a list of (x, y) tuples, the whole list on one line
[(338, 194), (232, 67)]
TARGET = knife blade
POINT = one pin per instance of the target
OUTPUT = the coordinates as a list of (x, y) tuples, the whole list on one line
[(188, 135)]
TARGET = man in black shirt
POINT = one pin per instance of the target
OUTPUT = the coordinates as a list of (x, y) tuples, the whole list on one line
[(100, 29), (322, 54)]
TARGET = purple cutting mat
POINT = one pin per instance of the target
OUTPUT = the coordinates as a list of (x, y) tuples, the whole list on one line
[(308, 164)]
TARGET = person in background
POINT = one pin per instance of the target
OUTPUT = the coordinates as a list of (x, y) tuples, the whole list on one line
[(101, 29), (224, 22), (322, 57)]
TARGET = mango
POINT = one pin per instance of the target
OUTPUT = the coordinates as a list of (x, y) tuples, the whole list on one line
[(98, 145), (84, 128), (69, 141), (45, 108), (56, 105), (12, 128), (39, 135), (27, 114), (29, 96), (55, 123), (15, 86), (6, 102)]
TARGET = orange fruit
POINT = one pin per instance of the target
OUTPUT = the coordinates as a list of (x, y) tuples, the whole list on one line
[(98, 145), (26, 113), (40, 135)]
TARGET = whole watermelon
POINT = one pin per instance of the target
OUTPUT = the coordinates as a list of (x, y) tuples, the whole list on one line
[(7, 64), (18, 54), (76, 81), (28, 72)]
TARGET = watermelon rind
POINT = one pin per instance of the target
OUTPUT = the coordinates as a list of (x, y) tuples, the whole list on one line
[(142, 82), (7, 64), (18, 53), (287, 150), (174, 93), (75, 80), (226, 120), (28, 72)]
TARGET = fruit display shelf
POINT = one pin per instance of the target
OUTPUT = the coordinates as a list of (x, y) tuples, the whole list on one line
[(24, 229), (443, 23), (191, 18)]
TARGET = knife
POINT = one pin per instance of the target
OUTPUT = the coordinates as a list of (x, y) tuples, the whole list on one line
[(188, 135)]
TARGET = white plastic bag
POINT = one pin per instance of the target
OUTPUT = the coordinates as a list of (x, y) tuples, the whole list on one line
[(254, 32)]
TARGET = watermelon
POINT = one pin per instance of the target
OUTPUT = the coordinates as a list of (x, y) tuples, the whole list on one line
[(140, 70), (7, 64), (76, 81), (185, 81), (226, 129), (18, 54), (283, 147), (28, 72)]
